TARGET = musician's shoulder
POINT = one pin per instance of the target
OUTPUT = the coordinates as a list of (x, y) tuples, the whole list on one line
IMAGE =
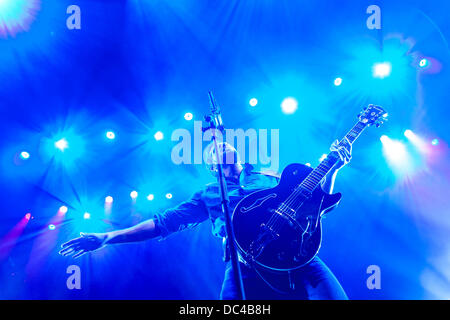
[(269, 173)]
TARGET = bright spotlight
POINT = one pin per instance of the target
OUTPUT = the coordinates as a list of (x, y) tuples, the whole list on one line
[(384, 139), (109, 199), (253, 102), (28, 216), (381, 70), (168, 195), (16, 16), (423, 63), (337, 81), (150, 197), (51, 227), (62, 144), (62, 209), (24, 155), (409, 134), (188, 116), (110, 135), (289, 105), (133, 194), (435, 142), (159, 136), (396, 154), (417, 141), (87, 215)]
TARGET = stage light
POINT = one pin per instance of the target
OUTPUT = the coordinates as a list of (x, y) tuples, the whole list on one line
[(417, 141), (395, 152), (150, 197), (109, 199), (289, 105), (51, 226), (28, 216), (423, 63), (159, 136), (435, 142), (337, 81), (63, 210), (16, 16), (381, 70), (323, 157), (409, 134), (133, 194), (384, 139), (87, 215), (188, 116), (62, 144), (253, 102), (168, 195), (24, 155), (110, 135)]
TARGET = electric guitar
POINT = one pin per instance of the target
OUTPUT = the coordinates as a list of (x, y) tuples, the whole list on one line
[(279, 229)]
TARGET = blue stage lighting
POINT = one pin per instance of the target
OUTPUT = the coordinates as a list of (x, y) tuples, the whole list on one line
[(253, 102), (24, 155), (289, 105), (337, 81), (435, 142), (381, 70), (110, 135), (150, 197), (409, 134), (168, 195), (16, 16), (109, 199), (62, 209), (51, 226), (423, 63), (133, 194), (158, 136), (62, 144), (188, 116), (396, 154), (87, 215)]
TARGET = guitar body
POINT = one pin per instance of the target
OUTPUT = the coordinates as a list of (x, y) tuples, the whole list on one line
[(275, 233)]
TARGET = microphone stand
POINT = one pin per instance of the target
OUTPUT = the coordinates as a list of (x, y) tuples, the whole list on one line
[(215, 123)]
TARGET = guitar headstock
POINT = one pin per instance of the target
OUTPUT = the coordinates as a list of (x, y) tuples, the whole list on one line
[(373, 115)]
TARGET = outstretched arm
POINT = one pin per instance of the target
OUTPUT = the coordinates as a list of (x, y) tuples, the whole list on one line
[(188, 213), (93, 241), (345, 154)]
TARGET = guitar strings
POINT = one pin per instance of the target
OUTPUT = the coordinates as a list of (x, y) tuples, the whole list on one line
[(275, 221)]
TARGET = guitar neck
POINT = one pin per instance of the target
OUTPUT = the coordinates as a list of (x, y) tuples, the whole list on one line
[(316, 176)]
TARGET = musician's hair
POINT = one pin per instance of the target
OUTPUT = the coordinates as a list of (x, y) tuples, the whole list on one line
[(228, 155)]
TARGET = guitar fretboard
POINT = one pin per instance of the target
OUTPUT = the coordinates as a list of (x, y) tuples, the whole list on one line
[(316, 176)]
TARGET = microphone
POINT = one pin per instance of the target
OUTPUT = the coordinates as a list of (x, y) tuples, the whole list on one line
[(215, 118)]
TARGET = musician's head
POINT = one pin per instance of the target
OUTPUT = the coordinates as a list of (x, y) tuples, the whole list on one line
[(227, 156)]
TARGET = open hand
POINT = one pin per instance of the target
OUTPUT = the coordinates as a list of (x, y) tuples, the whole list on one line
[(79, 246)]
